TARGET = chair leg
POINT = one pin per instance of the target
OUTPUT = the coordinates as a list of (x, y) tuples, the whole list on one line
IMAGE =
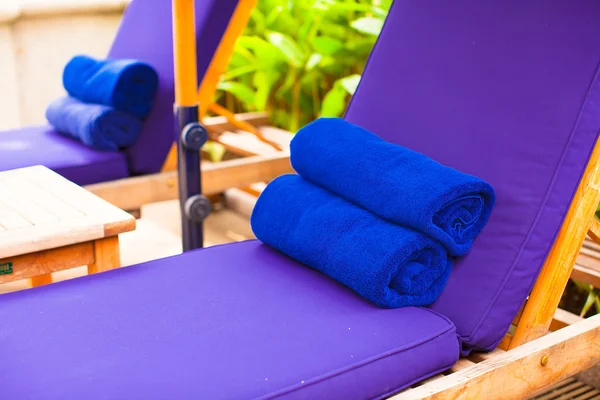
[(106, 255), (41, 280)]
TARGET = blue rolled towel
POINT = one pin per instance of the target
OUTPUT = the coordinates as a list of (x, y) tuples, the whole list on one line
[(127, 85), (97, 126), (398, 184), (389, 265)]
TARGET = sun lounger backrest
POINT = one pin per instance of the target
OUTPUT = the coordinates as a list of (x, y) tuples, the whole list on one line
[(507, 91), (146, 34)]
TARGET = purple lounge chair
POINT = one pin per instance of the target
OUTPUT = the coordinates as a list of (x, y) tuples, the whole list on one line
[(506, 91), (145, 33)]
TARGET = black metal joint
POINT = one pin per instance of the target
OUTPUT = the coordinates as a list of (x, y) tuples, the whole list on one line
[(193, 136), (197, 208)]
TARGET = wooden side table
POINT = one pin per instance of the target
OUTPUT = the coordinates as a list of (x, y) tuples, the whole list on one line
[(49, 224)]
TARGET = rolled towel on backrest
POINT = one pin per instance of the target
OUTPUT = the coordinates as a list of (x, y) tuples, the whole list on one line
[(127, 85), (389, 265), (97, 126), (398, 184)]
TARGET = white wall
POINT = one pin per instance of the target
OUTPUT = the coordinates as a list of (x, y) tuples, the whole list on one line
[(37, 38)]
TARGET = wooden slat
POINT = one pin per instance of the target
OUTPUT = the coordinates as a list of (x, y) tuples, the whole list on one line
[(555, 273), (240, 201), (216, 126), (584, 272), (113, 219), (245, 144), (556, 386), (10, 219), (480, 357), (19, 200), (592, 394), (562, 319), (519, 373), (244, 126), (48, 261), (461, 364), (574, 394), (429, 380), (132, 193), (62, 233), (594, 231), (573, 385), (588, 243), (53, 204), (89, 217), (280, 136), (220, 124)]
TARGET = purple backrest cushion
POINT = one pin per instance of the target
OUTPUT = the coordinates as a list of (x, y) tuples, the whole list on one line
[(503, 90), (146, 34)]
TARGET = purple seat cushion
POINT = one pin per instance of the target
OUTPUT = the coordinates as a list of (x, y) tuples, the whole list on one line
[(232, 322), (506, 91), (41, 145), (146, 34)]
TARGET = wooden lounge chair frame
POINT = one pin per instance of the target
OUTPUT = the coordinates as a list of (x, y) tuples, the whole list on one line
[(528, 359)]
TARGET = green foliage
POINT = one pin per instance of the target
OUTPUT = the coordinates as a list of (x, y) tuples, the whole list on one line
[(592, 300), (301, 59)]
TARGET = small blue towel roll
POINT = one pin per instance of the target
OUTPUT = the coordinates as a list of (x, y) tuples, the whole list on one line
[(95, 125), (389, 265), (398, 184), (127, 85)]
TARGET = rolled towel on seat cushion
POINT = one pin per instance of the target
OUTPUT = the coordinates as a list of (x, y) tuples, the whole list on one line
[(398, 184), (389, 265), (127, 85), (95, 125)]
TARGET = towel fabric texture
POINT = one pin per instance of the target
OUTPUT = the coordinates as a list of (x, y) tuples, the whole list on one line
[(97, 126), (393, 182), (379, 218), (390, 265), (126, 85)]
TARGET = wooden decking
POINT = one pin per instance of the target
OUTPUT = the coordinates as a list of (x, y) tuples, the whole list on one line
[(569, 389)]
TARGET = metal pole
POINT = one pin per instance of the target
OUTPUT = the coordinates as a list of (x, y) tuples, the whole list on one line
[(190, 134)]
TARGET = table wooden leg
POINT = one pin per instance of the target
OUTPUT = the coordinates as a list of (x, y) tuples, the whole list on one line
[(106, 255), (41, 280)]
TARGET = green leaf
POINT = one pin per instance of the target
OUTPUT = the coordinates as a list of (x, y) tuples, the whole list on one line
[(244, 93), (285, 89), (264, 81), (368, 25), (327, 46), (239, 71), (215, 150), (258, 18), (305, 29), (350, 83), (313, 60), (273, 15), (334, 102), (589, 302), (266, 54), (288, 48), (243, 48)]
